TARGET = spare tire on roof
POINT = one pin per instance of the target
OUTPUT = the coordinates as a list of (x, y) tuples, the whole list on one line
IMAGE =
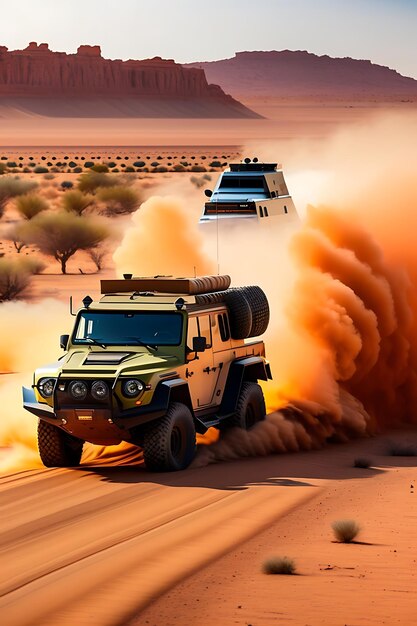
[(248, 309), (260, 310), (240, 313)]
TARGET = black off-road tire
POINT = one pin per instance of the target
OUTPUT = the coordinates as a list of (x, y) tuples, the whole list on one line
[(169, 445), (250, 407), (240, 313), (260, 310), (57, 448)]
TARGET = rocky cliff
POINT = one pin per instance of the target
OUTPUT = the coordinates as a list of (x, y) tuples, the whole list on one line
[(38, 72), (299, 73)]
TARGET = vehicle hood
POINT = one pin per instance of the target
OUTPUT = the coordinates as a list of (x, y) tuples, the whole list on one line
[(115, 362)]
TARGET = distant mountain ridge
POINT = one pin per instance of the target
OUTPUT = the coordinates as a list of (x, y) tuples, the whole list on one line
[(300, 73), (40, 79)]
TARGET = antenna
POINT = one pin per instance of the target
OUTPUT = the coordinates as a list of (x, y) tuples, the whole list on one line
[(71, 311), (217, 238)]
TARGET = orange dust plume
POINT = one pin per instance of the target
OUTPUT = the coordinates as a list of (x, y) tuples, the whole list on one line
[(163, 240)]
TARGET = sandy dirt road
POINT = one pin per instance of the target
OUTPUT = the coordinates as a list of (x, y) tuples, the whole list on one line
[(96, 545)]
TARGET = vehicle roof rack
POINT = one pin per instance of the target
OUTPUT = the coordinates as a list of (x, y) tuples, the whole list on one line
[(253, 167), (167, 284)]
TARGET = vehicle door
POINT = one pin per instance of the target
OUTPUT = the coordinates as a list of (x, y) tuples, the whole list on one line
[(222, 351), (200, 372)]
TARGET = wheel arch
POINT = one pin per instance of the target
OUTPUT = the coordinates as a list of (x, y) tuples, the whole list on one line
[(248, 369)]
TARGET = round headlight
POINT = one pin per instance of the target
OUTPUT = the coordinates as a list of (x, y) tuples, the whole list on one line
[(99, 390), (132, 387), (78, 389), (46, 387)]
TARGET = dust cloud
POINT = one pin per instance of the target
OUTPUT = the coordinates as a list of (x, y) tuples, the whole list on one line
[(162, 241)]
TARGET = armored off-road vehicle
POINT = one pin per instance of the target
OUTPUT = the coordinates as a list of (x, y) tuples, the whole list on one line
[(154, 361), (251, 191)]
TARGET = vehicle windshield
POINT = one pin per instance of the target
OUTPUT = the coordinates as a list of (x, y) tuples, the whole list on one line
[(236, 188), (128, 329)]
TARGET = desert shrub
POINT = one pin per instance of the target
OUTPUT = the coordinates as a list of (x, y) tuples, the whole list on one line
[(77, 170), (77, 201), (40, 169), (129, 169), (72, 164), (184, 163), (49, 176), (116, 170), (401, 449), (91, 181), (14, 280), (362, 463), (32, 264), (2, 168), (89, 164), (32, 165), (61, 235), (155, 164), (139, 164), (345, 530), (198, 181), (215, 164), (3, 158), (30, 205), (11, 188), (100, 167), (160, 170), (111, 164), (120, 200), (67, 184), (18, 235), (179, 168), (97, 255), (279, 565), (198, 168), (11, 164)]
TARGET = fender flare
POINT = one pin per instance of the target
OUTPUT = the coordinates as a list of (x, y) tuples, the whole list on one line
[(249, 369)]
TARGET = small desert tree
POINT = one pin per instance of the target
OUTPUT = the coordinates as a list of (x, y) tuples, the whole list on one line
[(97, 255), (60, 235), (19, 235), (120, 200), (11, 187), (77, 202), (31, 205)]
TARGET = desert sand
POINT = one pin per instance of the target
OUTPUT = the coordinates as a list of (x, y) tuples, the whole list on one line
[(97, 545)]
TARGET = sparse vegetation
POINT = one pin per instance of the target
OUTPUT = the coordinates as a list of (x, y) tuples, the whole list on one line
[(12, 187), (97, 255), (120, 200), (61, 235), (279, 565), (31, 205), (77, 202), (345, 530), (91, 181), (18, 234), (67, 184), (14, 279), (40, 169)]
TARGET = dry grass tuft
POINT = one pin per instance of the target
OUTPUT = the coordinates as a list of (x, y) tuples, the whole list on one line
[(345, 530), (279, 565)]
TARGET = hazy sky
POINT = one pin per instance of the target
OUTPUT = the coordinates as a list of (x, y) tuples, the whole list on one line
[(383, 31)]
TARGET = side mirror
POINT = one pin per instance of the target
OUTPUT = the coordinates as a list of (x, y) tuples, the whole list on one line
[(208, 193), (199, 344), (63, 341)]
